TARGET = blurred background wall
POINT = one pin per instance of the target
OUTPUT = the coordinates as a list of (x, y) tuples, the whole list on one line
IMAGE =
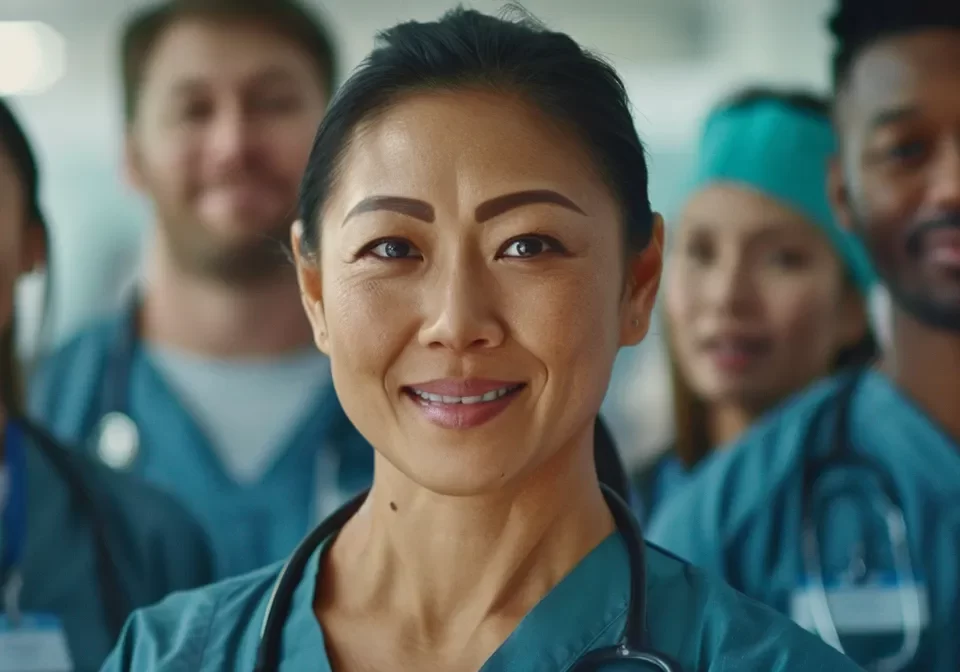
[(676, 56)]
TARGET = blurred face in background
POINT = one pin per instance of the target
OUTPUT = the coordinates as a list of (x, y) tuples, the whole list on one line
[(224, 124), (899, 183), (21, 245), (757, 301)]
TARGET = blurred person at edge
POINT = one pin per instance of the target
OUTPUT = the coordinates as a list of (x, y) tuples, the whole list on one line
[(81, 546), (765, 293), (843, 508), (211, 364)]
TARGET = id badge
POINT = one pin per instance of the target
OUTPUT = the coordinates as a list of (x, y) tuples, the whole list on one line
[(37, 643), (874, 608)]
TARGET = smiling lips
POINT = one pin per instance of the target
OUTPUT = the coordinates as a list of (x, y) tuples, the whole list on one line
[(735, 354), (943, 247), (462, 403)]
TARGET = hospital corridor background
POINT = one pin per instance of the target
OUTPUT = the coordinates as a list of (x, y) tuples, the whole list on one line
[(787, 423)]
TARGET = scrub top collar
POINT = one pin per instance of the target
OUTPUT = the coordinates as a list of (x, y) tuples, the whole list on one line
[(553, 635)]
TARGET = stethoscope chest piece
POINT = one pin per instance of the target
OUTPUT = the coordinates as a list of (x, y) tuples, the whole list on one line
[(118, 441)]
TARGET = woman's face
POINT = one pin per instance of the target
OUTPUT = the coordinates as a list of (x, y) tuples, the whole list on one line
[(756, 299), (473, 289)]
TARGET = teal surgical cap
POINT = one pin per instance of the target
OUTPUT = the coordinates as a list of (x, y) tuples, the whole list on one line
[(782, 152)]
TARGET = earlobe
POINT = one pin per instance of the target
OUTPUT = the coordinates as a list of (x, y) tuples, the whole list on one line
[(311, 286), (34, 252)]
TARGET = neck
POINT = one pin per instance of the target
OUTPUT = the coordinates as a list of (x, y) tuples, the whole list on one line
[(209, 317), (725, 422), (925, 365), (455, 571)]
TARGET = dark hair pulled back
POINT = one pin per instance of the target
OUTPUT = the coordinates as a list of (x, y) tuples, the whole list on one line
[(466, 49)]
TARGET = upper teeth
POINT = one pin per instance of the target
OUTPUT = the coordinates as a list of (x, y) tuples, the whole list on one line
[(444, 399)]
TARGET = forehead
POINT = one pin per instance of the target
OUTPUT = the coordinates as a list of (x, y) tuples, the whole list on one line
[(223, 53), (739, 210), (467, 145), (918, 70)]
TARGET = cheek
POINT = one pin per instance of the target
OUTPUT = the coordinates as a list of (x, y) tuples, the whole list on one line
[(170, 165), (802, 316), (679, 302), (568, 328), (678, 299), (562, 316), (882, 212), (289, 147), (369, 322)]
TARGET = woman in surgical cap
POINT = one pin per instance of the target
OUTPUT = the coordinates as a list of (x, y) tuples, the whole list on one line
[(764, 292)]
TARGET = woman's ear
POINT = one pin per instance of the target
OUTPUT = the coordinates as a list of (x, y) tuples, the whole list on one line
[(33, 254), (643, 281), (311, 286)]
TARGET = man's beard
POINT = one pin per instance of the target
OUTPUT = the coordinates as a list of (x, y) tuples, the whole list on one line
[(245, 263), (937, 315)]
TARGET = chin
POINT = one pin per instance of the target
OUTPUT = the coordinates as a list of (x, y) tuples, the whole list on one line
[(461, 470)]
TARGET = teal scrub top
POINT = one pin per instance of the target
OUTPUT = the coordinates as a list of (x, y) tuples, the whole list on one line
[(700, 623), (741, 519), (656, 482), (155, 545), (250, 525)]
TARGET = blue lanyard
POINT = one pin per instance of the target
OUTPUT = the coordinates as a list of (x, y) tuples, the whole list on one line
[(14, 536)]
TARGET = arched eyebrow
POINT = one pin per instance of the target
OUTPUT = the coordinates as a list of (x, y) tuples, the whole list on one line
[(486, 211), (501, 204)]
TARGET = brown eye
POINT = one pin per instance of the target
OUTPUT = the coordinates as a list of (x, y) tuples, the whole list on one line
[(394, 248), (529, 246)]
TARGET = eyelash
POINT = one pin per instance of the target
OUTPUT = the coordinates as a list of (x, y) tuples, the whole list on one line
[(551, 244)]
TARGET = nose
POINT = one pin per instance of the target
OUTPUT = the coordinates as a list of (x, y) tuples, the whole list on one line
[(461, 313), (729, 290), (944, 194), (229, 138)]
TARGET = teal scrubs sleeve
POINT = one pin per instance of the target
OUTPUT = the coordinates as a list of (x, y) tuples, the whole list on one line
[(702, 624), (153, 547)]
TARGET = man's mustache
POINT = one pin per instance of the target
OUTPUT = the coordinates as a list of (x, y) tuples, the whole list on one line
[(917, 233)]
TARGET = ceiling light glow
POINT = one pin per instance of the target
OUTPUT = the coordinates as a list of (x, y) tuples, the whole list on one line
[(32, 56)]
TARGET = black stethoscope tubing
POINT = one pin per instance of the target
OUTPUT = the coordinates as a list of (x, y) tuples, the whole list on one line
[(631, 648), (116, 602), (842, 453)]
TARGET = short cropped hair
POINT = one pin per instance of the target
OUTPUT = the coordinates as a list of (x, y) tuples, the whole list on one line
[(858, 24), (287, 17)]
